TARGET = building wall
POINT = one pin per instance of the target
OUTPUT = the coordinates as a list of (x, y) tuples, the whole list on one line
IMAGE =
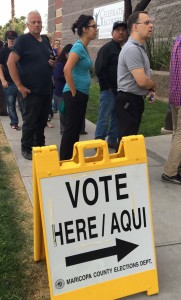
[(51, 16), (55, 19), (71, 14), (166, 13), (167, 17), (58, 19)]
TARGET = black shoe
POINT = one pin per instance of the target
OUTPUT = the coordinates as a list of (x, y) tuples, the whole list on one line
[(27, 154), (84, 132), (179, 170), (113, 146), (172, 179)]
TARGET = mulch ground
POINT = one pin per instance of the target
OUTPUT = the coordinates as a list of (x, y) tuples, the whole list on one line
[(37, 278)]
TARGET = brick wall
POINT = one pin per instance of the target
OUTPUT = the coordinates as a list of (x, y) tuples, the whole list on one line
[(166, 14), (167, 22), (51, 16)]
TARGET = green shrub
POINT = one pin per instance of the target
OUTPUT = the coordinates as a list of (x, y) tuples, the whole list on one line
[(159, 50)]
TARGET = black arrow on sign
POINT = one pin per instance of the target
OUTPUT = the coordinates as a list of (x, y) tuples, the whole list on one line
[(121, 249)]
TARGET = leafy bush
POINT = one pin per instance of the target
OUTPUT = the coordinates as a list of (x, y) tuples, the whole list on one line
[(159, 50)]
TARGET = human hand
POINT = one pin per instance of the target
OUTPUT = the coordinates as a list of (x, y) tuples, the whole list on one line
[(5, 84), (24, 91), (52, 62), (74, 94), (151, 96)]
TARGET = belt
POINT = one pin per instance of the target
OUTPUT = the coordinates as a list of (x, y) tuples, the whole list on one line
[(131, 94)]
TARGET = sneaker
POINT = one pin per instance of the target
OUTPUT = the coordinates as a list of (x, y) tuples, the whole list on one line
[(172, 179), (15, 126), (166, 131), (27, 154)]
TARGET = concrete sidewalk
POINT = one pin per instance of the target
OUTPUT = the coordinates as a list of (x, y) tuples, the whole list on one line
[(166, 203)]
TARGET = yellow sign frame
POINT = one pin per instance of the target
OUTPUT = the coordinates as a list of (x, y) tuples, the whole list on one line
[(46, 164)]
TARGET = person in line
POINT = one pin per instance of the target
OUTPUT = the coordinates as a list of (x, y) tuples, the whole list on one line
[(56, 46), (59, 79), (173, 164), (59, 82), (56, 50), (10, 89), (134, 81), (3, 106), (30, 67), (78, 80), (106, 71)]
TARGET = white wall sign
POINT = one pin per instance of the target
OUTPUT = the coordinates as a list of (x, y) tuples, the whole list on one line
[(98, 226), (106, 15)]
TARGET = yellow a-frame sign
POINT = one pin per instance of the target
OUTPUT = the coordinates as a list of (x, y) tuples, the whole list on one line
[(93, 221)]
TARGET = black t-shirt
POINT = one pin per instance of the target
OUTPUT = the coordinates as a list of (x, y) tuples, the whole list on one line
[(34, 69), (4, 54)]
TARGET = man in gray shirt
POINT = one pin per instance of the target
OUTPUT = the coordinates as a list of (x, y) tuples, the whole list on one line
[(134, 81)]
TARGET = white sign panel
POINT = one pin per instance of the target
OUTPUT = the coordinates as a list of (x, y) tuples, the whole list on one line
[(98, 226), (105, 16)]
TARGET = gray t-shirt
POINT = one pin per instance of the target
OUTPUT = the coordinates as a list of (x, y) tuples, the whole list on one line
[(132, 56)]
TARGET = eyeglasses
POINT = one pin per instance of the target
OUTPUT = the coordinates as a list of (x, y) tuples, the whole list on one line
[(93, 26), (147, 22)]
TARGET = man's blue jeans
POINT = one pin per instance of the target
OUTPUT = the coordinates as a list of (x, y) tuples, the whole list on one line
[(11, 93), (107, 119)]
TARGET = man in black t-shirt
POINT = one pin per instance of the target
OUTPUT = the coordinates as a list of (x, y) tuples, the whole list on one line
[(30, 65), (10, 89), (106, 71)]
